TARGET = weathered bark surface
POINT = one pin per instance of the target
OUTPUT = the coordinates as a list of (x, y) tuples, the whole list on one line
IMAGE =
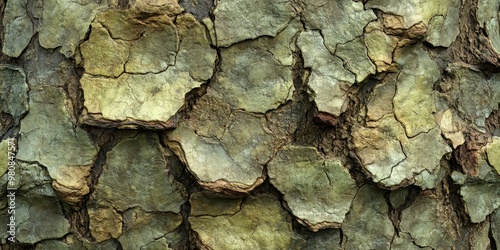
[(229, 124)]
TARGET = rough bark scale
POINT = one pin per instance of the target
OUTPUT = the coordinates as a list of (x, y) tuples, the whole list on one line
[(274, 124)]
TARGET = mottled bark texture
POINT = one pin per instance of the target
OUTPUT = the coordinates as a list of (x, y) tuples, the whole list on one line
[(251, 124)]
